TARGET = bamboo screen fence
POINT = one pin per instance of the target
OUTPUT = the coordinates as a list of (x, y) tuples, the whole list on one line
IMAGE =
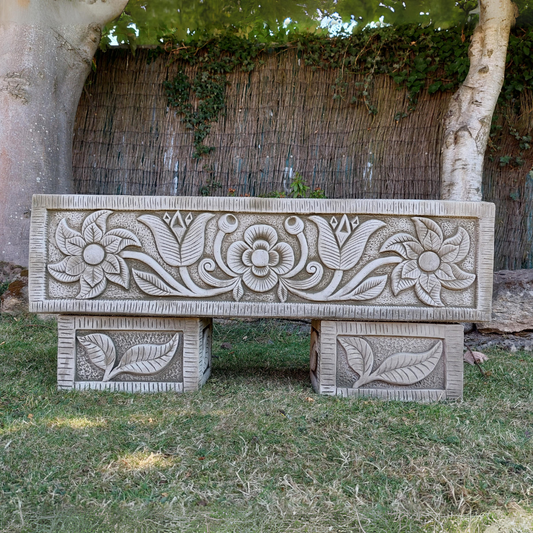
[(282, 119)]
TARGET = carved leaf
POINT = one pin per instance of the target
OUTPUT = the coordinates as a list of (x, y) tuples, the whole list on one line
[(167, 245), (282, 292), (462, 279), (353, 248), (98, 218), (122, 277), (399, 284), (151, 284), (370, 288), (58, 271), (429, 233), (455, 248), (87, 291), (359, 353), (238, 291), (328, 248), (63, 233), (116, 240), (100, 350), (428, 289), (147, 359), (403, 244), (93, 233), (408, 368), (194, 241)]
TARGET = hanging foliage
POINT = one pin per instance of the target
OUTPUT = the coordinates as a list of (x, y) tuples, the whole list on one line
[(415, 57)]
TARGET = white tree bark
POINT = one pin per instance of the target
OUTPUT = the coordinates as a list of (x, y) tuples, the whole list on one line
[(46, 49), (468, 120)]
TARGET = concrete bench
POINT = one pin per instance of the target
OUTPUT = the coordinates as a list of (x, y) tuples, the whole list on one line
[(137, 280)]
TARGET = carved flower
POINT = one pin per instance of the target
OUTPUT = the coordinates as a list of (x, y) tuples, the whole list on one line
[(430, 262), (92, 255), (259, 259)]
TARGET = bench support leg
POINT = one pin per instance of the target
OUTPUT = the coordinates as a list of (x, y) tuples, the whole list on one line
[(133, 354), (389, 360)]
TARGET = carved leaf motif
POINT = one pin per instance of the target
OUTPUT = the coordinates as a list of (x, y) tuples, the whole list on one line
[(194, 241), (282, 292), (428, 289), (58, 271), (87, 291), (100, 350), (328, 248), (98, 218), (404, 245), (238, 291), (147, 359), (462, 279), (359, 353), (408, 368), (151, 284), (124, 238), (399, 284), (353, 248), (122, 277), (167, 245), (429, 233), (455, 248), (63, 234), (370, 288)]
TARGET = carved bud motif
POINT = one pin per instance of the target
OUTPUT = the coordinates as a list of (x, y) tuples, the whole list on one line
[(343, 249), (179, 243)]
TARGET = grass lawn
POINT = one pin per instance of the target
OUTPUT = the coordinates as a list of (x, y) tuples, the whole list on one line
[(256, 450)]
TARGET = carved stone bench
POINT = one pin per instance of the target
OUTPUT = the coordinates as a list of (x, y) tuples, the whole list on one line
[(136, 281)]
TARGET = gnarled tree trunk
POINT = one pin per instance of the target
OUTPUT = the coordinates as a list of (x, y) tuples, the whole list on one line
[(46, 49), (467, 123)]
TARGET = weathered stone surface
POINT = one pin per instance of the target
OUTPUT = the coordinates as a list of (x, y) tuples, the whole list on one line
[(9, 271), (512, 302), (14, 300), (133, 354), (393, 361), (242, 257)]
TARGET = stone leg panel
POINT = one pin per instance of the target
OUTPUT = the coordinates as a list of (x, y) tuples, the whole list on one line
[(133, 354), (393, 361)]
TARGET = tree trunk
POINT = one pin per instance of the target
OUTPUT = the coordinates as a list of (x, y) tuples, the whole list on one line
[(468, 120), (46, 49)]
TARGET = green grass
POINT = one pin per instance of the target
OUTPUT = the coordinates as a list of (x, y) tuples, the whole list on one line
[(256, 450)]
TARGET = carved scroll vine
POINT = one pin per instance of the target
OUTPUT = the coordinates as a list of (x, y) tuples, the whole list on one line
[(260, 261), (398, 369)]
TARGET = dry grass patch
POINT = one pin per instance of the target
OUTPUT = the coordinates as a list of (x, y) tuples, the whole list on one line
[(256, 450)]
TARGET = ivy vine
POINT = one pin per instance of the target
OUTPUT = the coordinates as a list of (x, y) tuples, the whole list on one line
[(414, 56)]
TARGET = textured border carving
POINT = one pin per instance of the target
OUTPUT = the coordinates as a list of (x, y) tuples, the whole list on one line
[(371, 259), (93, 336), (412, 362)]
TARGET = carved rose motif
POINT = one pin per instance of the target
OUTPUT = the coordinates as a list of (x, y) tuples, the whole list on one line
[(430, 262), (259, 259), (92, 255)]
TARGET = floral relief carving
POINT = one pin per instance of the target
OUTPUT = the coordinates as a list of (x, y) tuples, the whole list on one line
[(429, 262), (264, 257), (141, 359), (260, 258), (92, 255), (397, 369)]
